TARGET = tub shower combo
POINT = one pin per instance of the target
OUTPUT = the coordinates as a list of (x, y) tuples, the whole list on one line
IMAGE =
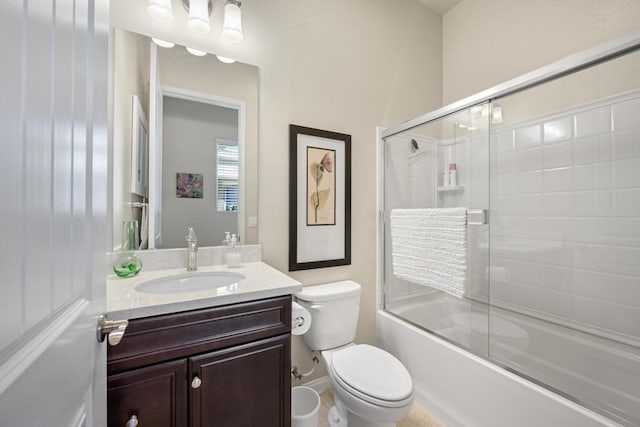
[(510, 228)]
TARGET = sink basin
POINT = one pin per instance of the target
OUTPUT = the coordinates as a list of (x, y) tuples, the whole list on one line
[(190, 282)]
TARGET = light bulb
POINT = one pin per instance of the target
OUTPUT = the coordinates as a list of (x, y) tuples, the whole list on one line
[(225, 59), (198, 19), (163, 43), (160, 10), (232, 27), (196, 52)]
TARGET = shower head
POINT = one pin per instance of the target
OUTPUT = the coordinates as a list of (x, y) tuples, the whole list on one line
[(414, 145)]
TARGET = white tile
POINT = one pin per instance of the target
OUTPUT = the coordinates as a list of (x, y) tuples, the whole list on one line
[(528, 160), (527, 137), (558, 130), (584, 177), (625, 202), (528, 182), (626, 173), (585, 203), (558, 278), (504, 184), (626, 115), (591, 230), (527, 205), (558, 155), (504, 162), (593, 122), (624, 260), (626, 145), (558, 204), (560, 179), (585, 150), (625, 289), (625, 232), (503, 141), (592, 257), (603, 175)]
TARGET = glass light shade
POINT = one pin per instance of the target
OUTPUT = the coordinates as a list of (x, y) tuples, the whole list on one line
[(196, 52), (225, 59), (198, 19), (163, 43), (232, 27), (160, 10)]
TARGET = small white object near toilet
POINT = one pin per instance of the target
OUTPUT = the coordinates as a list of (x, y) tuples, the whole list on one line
[(371, 387)]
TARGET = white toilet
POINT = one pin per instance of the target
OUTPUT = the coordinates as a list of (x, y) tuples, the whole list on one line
[(371, 387)]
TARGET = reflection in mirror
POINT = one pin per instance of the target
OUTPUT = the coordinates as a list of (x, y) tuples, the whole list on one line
[(201, 149)]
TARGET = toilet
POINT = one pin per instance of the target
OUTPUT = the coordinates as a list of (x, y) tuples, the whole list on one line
[(371, 387)]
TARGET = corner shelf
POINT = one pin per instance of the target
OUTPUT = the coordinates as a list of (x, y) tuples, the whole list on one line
[(450, 189)]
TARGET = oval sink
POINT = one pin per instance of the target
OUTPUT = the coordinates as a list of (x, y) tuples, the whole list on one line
[(190, 282)]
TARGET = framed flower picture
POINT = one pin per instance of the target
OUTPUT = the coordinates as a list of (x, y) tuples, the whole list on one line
[(319, 198)]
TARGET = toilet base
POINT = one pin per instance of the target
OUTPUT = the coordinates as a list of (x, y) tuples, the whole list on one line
[(334, 418), (345, 418)]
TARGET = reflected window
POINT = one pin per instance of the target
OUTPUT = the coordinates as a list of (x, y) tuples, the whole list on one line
[(227, 169)]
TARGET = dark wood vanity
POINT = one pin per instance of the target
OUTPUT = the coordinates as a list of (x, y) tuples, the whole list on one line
[(226, 366)]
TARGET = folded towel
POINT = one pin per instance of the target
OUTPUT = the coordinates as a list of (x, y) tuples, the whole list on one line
[(144, 228), (428, 247)]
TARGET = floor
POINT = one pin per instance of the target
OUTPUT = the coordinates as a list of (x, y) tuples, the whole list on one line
[(418, 417)]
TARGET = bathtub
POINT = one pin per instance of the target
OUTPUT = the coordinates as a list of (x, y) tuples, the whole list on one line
[(465, 390)]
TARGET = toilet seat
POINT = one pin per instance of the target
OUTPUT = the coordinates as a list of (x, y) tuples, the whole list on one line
[(372, 375)]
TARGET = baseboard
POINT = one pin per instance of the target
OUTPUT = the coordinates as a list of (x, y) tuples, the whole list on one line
[(319, 384)]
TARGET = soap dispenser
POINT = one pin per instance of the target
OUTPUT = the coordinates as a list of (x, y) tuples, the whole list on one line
[(234, 257)]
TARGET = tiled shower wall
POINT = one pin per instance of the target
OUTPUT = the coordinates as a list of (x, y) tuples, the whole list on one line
[(565, 218)]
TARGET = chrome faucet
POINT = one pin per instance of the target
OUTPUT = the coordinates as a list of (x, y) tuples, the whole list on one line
[(192, 250)]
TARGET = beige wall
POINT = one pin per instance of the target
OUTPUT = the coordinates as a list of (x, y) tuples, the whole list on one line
[(486, 42), (344, 66)]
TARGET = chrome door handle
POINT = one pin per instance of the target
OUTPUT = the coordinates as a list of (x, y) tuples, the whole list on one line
[(113, 328), (133, 421)]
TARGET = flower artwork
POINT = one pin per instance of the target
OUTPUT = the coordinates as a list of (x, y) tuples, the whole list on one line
[(321, 186), (189, 185)]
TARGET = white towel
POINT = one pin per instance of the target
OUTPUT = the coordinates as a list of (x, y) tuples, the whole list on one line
[(144, 228), (428, 247)]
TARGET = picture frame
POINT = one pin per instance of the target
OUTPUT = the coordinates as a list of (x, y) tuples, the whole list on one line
[(139, 149), (319, 198)]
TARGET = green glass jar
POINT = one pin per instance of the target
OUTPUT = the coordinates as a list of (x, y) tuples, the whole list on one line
[(128, 263)]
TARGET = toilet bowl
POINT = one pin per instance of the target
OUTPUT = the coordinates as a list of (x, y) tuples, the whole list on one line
[(371, 387)]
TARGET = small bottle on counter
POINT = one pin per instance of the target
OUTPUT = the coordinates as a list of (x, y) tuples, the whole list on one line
[(233, 257)]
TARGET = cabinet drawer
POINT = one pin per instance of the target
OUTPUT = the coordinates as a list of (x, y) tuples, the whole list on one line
[(155, 339)]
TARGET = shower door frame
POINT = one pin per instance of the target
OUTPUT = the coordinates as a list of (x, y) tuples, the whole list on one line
[(576, 62)]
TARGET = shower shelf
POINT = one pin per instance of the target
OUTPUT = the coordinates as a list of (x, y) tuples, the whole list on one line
[(450, 189)]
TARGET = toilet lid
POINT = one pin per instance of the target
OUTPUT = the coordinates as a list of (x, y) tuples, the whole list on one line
[(373, 372)]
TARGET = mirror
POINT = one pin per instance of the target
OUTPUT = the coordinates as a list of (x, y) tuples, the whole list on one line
[(185, 144)]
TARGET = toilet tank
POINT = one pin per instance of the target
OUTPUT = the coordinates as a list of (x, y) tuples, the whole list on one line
[(334, 311)]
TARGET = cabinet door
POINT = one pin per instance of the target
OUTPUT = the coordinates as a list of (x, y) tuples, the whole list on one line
[(243, 386), (156, 395)]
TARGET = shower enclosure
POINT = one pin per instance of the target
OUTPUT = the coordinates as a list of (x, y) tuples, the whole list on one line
[(548, 166)]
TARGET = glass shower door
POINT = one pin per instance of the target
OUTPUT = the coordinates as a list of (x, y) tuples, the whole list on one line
[(443, 164)]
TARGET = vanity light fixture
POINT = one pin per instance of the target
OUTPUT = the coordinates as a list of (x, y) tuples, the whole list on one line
[(225, 59), (195, 52), (232, 27), (163, 43), (160, 10), (198, 19)]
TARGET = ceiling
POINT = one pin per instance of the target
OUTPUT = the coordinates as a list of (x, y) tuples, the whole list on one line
[(440, 6)]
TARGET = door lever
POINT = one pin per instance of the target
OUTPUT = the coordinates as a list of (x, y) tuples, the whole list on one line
[(112, 328)]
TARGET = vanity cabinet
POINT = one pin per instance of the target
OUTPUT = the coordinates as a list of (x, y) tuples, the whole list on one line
[(221, 366)]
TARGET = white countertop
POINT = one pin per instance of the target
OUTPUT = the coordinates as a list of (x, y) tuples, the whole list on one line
[(262, 281)]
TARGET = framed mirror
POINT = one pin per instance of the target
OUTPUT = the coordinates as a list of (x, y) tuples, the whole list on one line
[(193, 107)]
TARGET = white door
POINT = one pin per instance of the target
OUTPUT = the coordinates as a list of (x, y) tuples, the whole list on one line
[(53, 176)]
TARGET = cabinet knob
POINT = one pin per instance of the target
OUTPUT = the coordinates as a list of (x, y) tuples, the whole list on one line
[(196, 383), (133, 421)]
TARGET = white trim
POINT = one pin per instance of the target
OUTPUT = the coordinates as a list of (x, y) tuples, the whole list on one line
[(320, 385), (241, 107), (22, 359)]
